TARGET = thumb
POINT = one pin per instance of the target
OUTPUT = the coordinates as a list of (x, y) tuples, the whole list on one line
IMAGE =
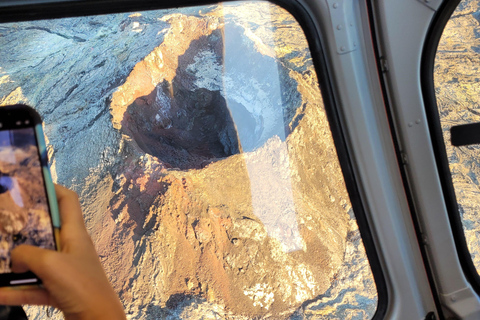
[(29, 258)]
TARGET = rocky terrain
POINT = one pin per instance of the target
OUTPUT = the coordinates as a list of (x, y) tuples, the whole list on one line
[(457, 85), (200, 148)]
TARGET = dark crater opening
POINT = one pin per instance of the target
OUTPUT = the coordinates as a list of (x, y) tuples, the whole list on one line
[(185, 130), (226, 97), (182, 125)]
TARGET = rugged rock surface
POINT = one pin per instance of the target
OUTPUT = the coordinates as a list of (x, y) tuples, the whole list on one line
[(203, 157)]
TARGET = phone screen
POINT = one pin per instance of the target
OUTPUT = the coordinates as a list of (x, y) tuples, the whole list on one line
[(24, 206)]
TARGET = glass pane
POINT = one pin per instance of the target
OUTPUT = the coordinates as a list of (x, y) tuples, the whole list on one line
[(457, 87), (198, 142)]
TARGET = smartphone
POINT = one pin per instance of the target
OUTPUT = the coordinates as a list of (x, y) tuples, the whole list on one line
[(28, 205)]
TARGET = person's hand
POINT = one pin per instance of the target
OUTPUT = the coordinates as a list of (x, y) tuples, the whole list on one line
[(73, 279)]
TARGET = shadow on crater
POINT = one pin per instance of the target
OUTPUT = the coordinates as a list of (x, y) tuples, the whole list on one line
[(217, 105), (183, 125), (185, 130)]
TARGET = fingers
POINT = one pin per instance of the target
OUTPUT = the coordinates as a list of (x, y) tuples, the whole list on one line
[(73, 226), (69, 206), (29, 258), (21, 296), (40, 261)]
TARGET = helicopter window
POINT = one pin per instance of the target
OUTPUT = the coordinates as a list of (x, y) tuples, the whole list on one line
[(198, 142), (457, 91)]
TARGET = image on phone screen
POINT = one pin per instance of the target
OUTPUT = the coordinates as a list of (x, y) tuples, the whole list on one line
[(24, 209)]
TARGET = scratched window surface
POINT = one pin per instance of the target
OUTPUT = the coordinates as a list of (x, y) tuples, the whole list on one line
[(199, 145)]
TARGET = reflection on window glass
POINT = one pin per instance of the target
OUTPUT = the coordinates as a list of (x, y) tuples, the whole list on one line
[(199, 145), (457, 88)]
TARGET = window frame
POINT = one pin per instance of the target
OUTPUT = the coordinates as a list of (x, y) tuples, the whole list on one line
[(428, 88), (354, 109), (411, 125)]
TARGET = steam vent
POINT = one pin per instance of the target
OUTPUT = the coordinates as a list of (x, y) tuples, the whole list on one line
[(201, 151)]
